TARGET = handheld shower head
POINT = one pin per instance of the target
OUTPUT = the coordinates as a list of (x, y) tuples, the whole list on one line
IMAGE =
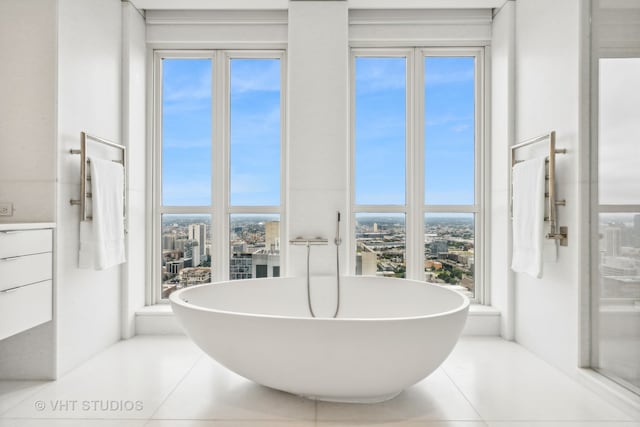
[(338, 240)]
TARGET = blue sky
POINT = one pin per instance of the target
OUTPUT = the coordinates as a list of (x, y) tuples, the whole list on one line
[(254, 132), (186, 132), (380, 131)]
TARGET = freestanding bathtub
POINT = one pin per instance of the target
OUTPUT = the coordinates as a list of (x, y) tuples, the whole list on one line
[(389, 333)]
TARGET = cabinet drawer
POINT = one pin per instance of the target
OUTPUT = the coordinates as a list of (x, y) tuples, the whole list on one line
[(25, 242), (25, 307), (23, 270)]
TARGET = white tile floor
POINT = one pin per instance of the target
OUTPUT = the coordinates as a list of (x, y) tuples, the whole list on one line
[(159, 381)]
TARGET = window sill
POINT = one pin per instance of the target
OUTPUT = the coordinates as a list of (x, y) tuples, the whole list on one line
[(159, 320)]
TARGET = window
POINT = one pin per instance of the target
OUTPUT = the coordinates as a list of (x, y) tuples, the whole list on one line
[(416, 144), (219, 149), (615, 221)]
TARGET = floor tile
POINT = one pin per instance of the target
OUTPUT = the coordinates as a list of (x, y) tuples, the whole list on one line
[(563, 424), (43, 422), (128, 380), (212, 392), (236, 423), (401, 423), (14, 392), (434, 398), (486, 382), (504, 381)]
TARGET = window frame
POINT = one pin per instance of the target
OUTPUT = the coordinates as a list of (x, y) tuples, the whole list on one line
[(415, 207), (220, 208), (590, 352)]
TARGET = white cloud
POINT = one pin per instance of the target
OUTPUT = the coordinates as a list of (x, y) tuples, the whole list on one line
[(380, 74), (187, 192), (186, 143), (463, 76), (460, 128), (189, 89), (260, 78), (255, 125), (445, 119)]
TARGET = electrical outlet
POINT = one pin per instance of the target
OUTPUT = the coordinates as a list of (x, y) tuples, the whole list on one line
[(6, 209)]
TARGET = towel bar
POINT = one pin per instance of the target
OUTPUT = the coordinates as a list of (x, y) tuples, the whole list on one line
[(555, 233), (84, 176)]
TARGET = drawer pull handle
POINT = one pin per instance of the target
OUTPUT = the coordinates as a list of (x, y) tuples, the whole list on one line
[(12, 258), (7, 291), (9, 232)]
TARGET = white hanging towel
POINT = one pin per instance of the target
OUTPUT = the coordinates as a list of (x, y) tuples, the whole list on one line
[(102, 239), (528, 216)]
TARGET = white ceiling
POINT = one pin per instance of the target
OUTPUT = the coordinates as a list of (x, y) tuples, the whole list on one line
[(284, 4)]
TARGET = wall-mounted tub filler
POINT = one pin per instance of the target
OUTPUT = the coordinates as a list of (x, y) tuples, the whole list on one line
[(391, 333), (320, 241)]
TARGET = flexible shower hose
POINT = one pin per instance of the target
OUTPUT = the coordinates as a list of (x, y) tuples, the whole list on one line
[(337, 241)]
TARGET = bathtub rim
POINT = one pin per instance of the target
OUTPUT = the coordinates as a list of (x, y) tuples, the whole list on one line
[(174, 298)]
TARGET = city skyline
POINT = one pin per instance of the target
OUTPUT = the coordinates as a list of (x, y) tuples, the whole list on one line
[(252, 256)]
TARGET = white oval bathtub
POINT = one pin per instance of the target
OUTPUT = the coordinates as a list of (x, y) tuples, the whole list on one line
[(389, 334)]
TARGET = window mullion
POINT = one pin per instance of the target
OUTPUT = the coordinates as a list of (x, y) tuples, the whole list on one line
[(154, 293), (220, 165), (415, 168)]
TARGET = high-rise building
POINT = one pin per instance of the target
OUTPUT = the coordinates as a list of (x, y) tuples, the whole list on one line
[(168, 241), (366, 263), (613, 243), (199, 232), (192, 250), (237, 233), (174, 267), (239, 247), (439, 246), (265, 264), (179, 244), (240, 266), (272, 236)]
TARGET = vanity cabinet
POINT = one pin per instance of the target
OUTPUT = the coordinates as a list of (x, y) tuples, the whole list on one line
[(26, 278)]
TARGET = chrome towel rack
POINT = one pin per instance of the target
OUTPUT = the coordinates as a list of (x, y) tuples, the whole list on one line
[(84, 176), (555, 232)]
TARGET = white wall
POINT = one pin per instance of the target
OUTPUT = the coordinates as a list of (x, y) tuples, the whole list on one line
[(27, 109), (548, 97), (318, 131), (134, 137), (61, 75), (502, 129), (211, 29), (28, 159), (89, 99)]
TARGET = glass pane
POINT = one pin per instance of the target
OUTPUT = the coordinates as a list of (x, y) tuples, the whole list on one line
[(619, 131), (449, 130), (254, 246), (255, 132), (449, 250), (380, 109), (618, 331), (380, 244), (186, 132), (186, 251)]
